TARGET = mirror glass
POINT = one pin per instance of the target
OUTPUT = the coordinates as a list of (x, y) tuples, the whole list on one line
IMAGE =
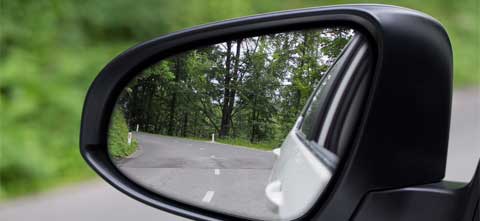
[(220, 126)]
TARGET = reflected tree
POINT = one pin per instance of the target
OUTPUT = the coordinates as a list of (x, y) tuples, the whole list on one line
[(251, 89)]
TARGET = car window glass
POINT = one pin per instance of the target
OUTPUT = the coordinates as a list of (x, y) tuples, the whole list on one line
[(317, 104)]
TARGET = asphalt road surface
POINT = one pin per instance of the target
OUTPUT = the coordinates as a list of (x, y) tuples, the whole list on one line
[(96, 200), (464, 144), (211, 175)]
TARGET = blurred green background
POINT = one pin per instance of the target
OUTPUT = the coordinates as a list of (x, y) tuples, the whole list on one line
[(51, 50)]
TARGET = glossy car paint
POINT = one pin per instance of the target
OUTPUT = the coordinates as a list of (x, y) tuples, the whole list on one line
[(298, 178)]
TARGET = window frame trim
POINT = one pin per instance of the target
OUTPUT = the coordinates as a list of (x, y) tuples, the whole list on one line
[(326, 156)]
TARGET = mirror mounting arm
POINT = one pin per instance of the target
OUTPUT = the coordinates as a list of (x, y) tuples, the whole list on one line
[(443, 201)]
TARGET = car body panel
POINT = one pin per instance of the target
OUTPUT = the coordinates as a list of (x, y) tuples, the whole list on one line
[(298, 178)]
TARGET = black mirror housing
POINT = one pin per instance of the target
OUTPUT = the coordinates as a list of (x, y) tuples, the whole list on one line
[(401, 139)]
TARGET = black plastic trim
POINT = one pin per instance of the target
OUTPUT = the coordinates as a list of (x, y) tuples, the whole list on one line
[(443, 201), (402, 134), (358, 48)]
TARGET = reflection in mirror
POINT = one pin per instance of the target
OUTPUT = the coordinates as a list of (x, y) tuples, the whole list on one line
[(204, 127)]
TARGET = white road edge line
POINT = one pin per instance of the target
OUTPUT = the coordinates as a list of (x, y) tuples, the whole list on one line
[(208, 196), (217, 171)]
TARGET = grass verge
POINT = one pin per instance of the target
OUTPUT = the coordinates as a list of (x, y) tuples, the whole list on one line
[(118, 146), (264, 145)]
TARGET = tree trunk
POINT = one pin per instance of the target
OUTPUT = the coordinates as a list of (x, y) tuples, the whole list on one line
[(224, 127), (173, 101), (195, 122), (254, 120), (185, 124), (171, 114), (231, 92)]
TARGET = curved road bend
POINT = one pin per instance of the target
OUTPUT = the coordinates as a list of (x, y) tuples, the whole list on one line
[(210, 175)]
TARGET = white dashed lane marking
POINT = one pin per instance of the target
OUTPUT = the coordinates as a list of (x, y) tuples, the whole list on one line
[(217, 171), (208, 196)]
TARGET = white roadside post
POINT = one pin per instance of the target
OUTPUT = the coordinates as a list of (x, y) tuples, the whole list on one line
[(277, 152), (213, 138), (137, 128), (129, 138)]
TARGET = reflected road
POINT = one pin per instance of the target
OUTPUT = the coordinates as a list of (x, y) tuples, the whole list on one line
[(210, 175)]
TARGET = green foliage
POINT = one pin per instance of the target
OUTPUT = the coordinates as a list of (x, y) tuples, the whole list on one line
[(118, 136), (461, 20), (247, 91), (263, 145), (240, 142), (51, 50)]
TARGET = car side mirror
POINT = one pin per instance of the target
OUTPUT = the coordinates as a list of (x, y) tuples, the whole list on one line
[(200, 126), (302, 114)]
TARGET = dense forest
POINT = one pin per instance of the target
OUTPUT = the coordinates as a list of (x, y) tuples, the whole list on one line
[(251, 88)]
